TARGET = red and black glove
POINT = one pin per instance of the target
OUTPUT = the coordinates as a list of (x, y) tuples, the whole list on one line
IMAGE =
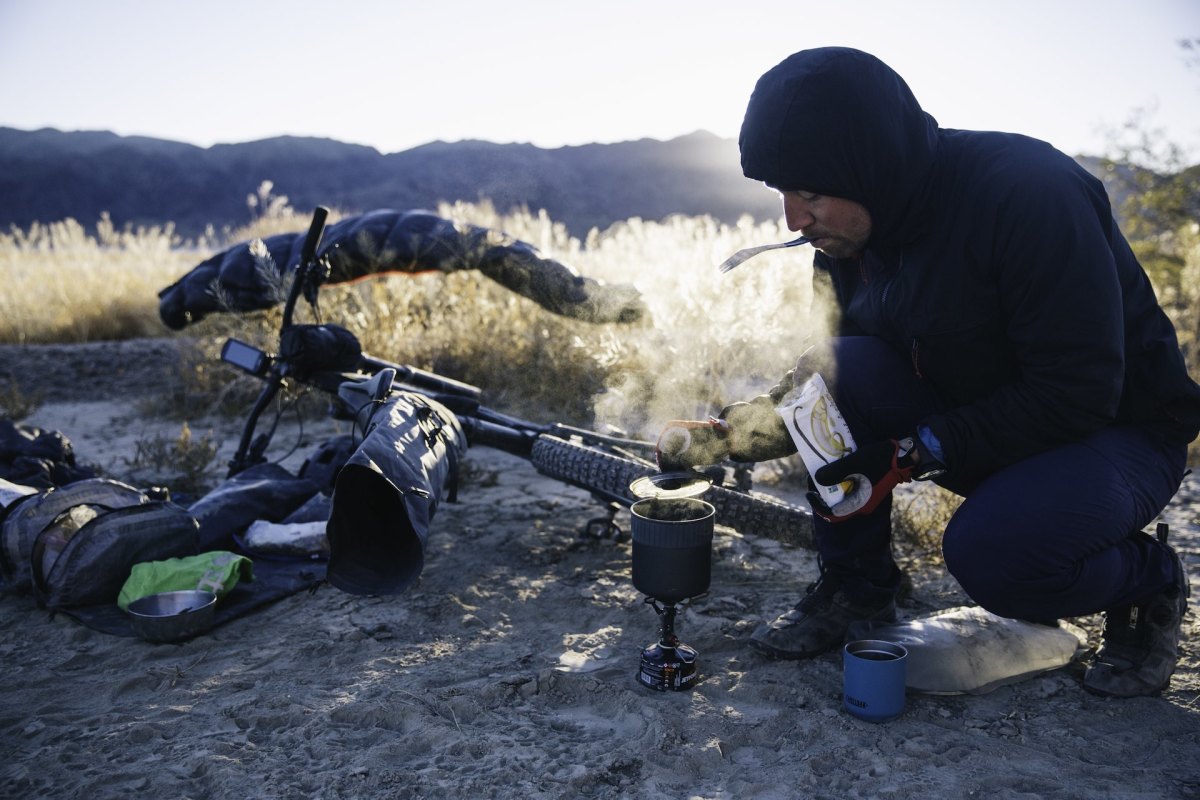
[(873, 470)]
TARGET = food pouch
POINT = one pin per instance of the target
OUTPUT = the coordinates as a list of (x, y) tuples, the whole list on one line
[(819, 431)]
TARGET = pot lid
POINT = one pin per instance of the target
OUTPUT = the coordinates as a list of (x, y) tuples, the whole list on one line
[(665, 485)]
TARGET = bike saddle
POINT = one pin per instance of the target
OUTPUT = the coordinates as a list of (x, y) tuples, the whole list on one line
[(358, 393)]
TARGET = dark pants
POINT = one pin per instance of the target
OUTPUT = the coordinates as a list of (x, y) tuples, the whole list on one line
[(1056, 535)]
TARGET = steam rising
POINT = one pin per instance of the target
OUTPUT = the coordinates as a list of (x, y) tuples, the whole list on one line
[(705, 340), (712, 339)]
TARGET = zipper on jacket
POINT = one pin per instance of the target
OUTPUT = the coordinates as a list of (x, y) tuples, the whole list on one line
[(916, 356)]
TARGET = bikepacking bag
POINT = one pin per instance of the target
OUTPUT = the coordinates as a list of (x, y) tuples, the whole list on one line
[(387, 493), (263, 492), (75, 545)]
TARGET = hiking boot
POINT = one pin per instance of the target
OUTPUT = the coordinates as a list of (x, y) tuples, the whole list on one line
[(1141, 642), (819, 621)]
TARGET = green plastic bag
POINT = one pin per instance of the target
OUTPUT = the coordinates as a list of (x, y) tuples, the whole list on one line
[(217, 571)]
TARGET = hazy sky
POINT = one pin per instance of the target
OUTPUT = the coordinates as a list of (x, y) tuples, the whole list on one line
[(398, 74)]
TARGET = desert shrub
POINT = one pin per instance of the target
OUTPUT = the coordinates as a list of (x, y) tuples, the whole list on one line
[(182, 463), (17, 402), (920, 513)]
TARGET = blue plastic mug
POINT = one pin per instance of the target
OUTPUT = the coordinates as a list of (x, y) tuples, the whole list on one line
[(873, 674)]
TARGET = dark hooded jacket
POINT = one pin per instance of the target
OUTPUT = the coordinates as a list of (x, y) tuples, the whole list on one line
[(994, 264)]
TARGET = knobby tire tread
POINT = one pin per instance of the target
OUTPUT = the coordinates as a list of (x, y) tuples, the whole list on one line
[(609, 475)]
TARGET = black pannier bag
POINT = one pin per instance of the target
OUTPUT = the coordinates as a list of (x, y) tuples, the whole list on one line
[(388, 492), (75, 545), (27, 519)]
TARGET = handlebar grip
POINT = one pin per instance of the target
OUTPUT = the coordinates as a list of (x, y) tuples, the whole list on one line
[(315, 229), (307, 255)]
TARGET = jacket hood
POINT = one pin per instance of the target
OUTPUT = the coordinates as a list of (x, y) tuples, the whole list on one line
[(840, 122)]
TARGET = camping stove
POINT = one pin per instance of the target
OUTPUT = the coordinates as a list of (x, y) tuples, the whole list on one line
[(668, 664), (672, 564)]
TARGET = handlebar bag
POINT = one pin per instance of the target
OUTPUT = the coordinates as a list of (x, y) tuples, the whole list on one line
[(320, 347), (386, 495)]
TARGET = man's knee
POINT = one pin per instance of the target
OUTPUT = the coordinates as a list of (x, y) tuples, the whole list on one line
[(970, 561), (989, 572)]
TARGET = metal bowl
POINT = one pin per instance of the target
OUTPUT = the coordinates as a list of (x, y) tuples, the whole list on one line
[(664, 485), (172, 616)]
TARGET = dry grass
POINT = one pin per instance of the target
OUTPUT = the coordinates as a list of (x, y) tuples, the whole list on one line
[(62, 284)]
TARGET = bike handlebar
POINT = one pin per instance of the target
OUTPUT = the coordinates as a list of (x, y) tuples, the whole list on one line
[(304, 267)]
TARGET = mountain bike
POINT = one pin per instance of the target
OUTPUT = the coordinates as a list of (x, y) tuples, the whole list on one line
[(608, 465)]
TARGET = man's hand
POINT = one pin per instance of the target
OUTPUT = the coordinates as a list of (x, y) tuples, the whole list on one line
[(756, 431), (874, 470), (688, 443)]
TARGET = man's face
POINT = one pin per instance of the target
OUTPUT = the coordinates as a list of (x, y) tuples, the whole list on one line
[(839, 227)]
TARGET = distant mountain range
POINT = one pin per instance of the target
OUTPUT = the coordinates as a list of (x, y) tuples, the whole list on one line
[(48, 175)]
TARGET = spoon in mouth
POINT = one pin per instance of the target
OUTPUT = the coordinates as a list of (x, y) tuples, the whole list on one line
[(749, 252)]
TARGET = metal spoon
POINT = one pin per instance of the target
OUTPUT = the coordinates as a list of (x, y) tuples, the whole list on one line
[(749, 252)]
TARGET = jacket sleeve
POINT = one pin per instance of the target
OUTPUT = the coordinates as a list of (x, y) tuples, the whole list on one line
[(1062, 318)]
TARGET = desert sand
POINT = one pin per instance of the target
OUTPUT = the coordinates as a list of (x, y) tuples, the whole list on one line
[(508, 671)]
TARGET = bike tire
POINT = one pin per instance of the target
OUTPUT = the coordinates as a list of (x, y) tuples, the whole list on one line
[(609, 475)]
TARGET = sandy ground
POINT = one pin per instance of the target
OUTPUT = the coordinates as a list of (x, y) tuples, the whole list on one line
[(508, 671)]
